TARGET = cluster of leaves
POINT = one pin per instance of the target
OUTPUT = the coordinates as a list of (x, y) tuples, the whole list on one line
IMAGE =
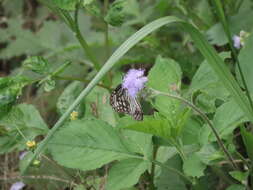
[(173, 147)]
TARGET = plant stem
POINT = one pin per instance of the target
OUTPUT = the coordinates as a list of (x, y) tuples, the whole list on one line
[(220, 12), (152, 172), (74, 26), (230, 158)]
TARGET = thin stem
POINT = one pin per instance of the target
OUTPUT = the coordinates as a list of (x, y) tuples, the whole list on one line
[(152, 172), (20, 132), (230, 158), (219, 9), (243, 160), (74, 26)]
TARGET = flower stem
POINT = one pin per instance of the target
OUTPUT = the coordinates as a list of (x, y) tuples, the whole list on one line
[(230, 158)]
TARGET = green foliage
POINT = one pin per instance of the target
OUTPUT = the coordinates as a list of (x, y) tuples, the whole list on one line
[(10, 90), (88, 144), (125, 173), (25, 119), (47, 61), (37, 64)]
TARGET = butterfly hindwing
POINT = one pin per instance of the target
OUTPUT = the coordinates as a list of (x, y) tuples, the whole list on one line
[(122, 102)]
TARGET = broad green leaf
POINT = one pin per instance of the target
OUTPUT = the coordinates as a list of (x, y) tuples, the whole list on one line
[(248, 141), (10, 89), (139, 142), (37, 64), (193, 166), (86, 2), (68, 96), (206, 103), (245, 58), (27, 119), (125, 173), (79, 187), (165, 76), (227, 117), (97, 104), (168, 180), (159, 127), (208, 153), (88, 144), (207, 81)]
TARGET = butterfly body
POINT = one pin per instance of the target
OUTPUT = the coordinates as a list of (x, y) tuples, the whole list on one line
[(122, 102)]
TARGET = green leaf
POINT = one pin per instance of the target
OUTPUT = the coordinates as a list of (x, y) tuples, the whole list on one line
[(88, 144), (159, 127), (240, 176), (49, 84), (227, 117), (68, 96), (10, 89), (66, 4), (245, 58), (174, 182), (164, 76), (125, 173), (120, 11), (37, 64), (86, 2), (97, 104), (27, 119), (248, 142), (193, 166)]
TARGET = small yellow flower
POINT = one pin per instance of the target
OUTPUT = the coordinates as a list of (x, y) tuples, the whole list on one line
[(73, 115), (30, 144)]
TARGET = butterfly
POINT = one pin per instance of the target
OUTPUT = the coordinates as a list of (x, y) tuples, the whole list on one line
[(122, 102)]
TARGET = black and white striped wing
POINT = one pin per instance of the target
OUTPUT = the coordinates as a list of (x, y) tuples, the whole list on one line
[(123, 103)]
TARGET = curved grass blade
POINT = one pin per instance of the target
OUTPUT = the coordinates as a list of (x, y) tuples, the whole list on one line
[(208, 52)]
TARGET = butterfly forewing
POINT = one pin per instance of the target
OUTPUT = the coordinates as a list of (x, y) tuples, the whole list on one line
[(123, 103)]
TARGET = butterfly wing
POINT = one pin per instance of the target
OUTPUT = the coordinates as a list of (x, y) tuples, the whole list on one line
[(123, 103)]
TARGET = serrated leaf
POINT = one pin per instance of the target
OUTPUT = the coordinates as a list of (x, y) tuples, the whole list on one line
[(125, 173), (150, 125), (88, 144), (227, 117), (49, 85), (193, 166), (37, 64), (28, 120), (10, 89), (165, 76)]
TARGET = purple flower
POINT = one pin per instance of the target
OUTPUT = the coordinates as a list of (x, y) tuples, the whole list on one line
[(237, 41), (17, 186), (134, 81)]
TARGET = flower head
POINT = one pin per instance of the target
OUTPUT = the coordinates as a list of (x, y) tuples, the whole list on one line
[(239, 41), (30, 144), (73, 115), (17, 186), (134, 81)]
